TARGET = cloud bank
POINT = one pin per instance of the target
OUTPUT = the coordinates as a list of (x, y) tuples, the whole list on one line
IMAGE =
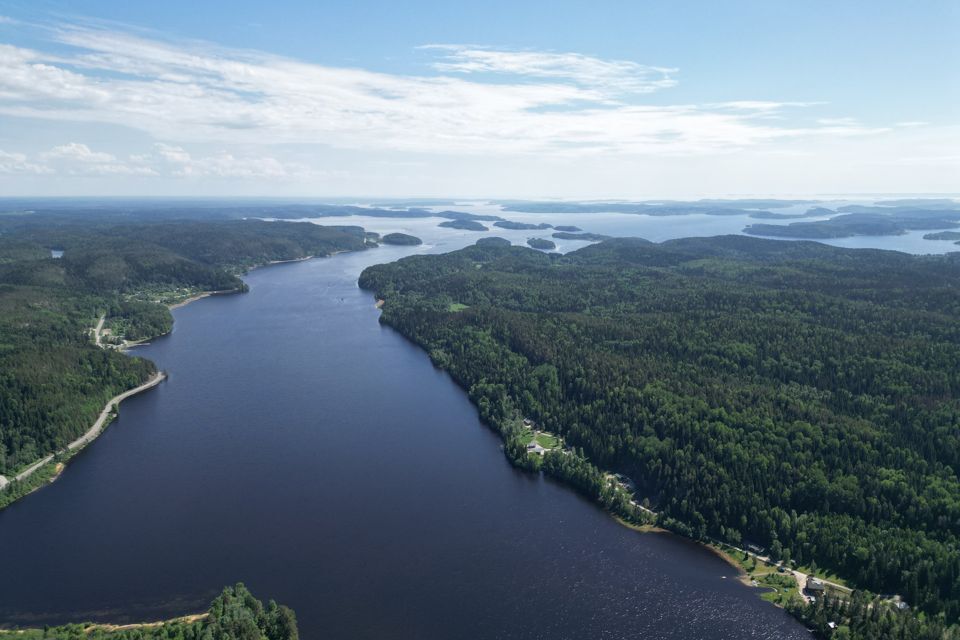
[(132, 106), (528, 102)]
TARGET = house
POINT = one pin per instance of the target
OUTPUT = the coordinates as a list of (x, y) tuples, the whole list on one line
[(902, 606), (625, 482), (814, 586), (528, 423), (534, 447)]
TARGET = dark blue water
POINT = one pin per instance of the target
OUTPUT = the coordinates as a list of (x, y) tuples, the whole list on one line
[(302, 448)]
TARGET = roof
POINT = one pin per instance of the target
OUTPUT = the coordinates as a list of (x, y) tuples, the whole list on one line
[(813, 584)]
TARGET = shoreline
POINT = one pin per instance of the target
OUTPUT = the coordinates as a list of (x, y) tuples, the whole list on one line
[(224, 292), (110, 628), (155, 380), (96, 332), (75, 446), (717, 548), (183, 303)]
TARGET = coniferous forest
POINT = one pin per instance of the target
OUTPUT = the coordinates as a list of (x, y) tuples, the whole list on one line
[(793, 395)]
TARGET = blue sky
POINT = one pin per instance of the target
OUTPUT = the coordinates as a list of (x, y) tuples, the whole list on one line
[(532, 99)]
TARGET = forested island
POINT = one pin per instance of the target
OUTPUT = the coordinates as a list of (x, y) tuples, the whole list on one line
[(234, 615), (792, 396), (712, 207), (541, 243), (464, 224), (54, 376), (863, 221), (494, 241), (402, 239), (568, 235), (521, 226), (943, 235)]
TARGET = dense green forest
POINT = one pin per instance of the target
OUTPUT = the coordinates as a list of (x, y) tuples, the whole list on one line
[(522, 226), (569, 235), (803, 397), (541, 243), (876, 221), (401, 239), (861, 617), (464, 224), (53, 379), (234, 615)]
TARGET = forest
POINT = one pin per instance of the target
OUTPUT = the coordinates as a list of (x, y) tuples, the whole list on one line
[(890, 223), (234, 615), (53, 379), (793, 395)]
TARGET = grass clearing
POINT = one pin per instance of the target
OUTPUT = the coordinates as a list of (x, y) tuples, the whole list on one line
[(782, 588), (548, 441)]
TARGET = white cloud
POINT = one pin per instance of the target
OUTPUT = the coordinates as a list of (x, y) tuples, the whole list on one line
[(75, 158), (77, 152), (615, 76), (759, 105), (562, 105), (838, 122), (929, 161), (227, 165), (18, 163)]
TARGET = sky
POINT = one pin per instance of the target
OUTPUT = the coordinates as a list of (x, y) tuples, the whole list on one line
[(599, 100)]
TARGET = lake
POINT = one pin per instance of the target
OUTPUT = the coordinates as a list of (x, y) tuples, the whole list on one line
[(302, 448)]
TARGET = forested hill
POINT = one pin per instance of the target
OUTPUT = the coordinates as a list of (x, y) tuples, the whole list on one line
[(801, 396), (53, 379), (234, 615)]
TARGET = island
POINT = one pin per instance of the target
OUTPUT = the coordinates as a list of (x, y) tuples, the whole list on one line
[(569, 228), (943, 235), (591, 237), (521, 226), (541, 243), (463, 215), (466, 225), (813, 212), (711, 207), (494, 241), (865, 221), (403, 239), (770, 398)]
